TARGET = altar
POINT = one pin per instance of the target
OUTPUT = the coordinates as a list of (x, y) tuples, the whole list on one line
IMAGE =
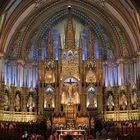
[(73, 132)]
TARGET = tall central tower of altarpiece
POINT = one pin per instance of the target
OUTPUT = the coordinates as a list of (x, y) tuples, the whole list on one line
[(72, 90)]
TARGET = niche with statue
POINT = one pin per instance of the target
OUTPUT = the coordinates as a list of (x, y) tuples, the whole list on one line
[(49, 98), (91, 99), (18, 100), (123, 99), (31, 100), (6, 100), (134, 97), (110, 100)]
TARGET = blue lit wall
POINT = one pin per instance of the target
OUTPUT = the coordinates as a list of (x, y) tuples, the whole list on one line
[(55, 43), (84, 43), (44, 45), (96, 50)]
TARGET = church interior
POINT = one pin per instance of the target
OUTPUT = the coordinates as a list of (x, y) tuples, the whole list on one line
[(70, 68)]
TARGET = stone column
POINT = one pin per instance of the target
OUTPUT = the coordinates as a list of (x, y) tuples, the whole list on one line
[(116, 99), (100, 101), (34, 75), (83, 102), (138, 82), (20, 72), (57, 100), (100, 64), (12, 76), (128, 94), (1, 58), (113, 76), (12, 99), (24, 99), (135, 73), (40, 100), (120, 71)]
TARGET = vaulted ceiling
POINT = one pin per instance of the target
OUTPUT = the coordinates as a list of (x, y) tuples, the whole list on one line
[(116, 21)]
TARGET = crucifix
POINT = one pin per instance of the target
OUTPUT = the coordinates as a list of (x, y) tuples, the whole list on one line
[(70, 85)]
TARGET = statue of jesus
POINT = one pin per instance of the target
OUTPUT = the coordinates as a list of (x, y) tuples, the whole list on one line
[(70, 87)]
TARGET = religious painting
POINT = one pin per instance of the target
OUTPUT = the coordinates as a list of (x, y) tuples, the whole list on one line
[(70, 58)]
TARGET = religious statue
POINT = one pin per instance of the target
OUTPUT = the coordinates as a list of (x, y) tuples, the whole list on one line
[(6, 102), (30, 103), (123, 101), (17, 102), (49, 101), (91, 101), (110, 102), (63, 98), (70, 88), (134, 100), (77, 97)]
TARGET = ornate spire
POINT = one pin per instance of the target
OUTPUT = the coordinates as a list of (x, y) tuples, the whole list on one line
[(49, 50), (69, 34), (90, 47)]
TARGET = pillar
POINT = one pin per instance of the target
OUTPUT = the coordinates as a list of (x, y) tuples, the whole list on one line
[(20, 72), (83, 102), (1, 58), (100, 101), (138, 81), (120, 71), (57, 100), (40, 100)]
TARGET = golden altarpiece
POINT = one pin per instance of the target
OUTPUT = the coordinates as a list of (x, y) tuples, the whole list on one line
[(70, 91)]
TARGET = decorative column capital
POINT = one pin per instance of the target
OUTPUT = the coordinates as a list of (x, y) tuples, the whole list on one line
[(120, 60), (21, 62)]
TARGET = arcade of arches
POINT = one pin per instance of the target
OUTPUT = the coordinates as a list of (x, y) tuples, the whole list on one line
[(68, 63)]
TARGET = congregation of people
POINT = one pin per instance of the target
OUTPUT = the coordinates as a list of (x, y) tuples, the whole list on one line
[(38, 131)]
